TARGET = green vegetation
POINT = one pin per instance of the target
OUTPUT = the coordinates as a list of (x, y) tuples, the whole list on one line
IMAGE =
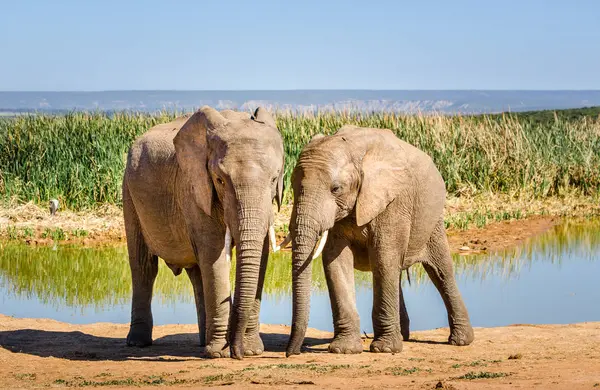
[(151, 380), (79, 157), (476, 363), (399, 371), (483, 375), (549, 116)]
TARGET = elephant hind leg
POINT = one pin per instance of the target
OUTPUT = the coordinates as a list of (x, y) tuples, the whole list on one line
[(196, 279), (144, 268), (439, 267), (404, 319)]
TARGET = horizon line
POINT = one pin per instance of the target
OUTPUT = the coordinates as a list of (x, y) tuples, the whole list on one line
[(301, 90)]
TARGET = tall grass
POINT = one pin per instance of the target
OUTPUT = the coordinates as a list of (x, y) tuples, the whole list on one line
[(79, 158)]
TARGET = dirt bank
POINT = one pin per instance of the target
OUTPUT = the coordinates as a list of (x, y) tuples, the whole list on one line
[(33, 225), (45, 353)]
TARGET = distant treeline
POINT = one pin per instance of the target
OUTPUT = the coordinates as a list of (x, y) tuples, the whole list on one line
[(546, 116)]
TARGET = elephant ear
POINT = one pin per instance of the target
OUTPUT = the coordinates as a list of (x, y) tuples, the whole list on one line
[(261, 115), (191, 151), (384, 177)]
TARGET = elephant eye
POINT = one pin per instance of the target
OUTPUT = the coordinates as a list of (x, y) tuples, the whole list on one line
[(336, 189), (273, 180), (219, 180)]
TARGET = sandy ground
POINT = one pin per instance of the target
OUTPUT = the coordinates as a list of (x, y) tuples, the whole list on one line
[(45, 353)]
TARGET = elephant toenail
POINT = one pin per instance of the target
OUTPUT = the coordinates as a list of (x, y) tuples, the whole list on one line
[(375, 349), (336, 350), (387, 350)]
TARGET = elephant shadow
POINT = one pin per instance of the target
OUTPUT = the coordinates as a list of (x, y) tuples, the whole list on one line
[(76, 345)]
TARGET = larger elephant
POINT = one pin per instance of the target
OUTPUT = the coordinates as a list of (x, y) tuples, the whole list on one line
[(192, 189), (378, 203)]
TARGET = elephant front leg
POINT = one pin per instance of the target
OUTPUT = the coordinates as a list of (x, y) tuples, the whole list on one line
[(217, 303), (253, 344), (439, 268), (196, 279), (338, 262), (386, 300)]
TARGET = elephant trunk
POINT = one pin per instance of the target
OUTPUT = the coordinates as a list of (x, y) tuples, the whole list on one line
[(252, 228), (305, 232)]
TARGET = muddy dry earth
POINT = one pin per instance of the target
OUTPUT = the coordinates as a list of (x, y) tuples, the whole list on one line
[(81, 296), (45, 353)]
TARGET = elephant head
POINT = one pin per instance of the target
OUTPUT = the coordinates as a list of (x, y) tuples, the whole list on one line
[(353, 174), (233, 164)]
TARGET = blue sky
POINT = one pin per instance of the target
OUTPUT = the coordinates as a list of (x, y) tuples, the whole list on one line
[(276, 44)]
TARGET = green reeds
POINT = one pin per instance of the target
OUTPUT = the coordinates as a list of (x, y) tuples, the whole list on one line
[(79, 158)]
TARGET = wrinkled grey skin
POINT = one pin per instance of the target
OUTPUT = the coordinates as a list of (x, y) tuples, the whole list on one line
[(382, 201), (185, 182)]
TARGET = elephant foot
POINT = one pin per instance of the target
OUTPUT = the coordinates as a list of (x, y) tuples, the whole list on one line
[(253, 344), (461, 336), (346, 345), (216, 349), (139, 336), (386, 345)]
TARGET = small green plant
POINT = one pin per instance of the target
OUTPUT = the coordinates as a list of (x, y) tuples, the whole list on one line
[(28, 232), (399, 371), (12, 233), (483, 375), (58, 234), (79, 233), (46, 233), (29, 377), (319, 368), (217, 378), (477, 363)]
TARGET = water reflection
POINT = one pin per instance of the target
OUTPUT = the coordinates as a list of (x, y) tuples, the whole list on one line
[(85, 285)]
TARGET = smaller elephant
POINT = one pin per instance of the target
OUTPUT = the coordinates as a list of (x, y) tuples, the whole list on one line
[(377, 202)]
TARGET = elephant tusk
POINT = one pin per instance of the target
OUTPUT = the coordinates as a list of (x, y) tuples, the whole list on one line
[(272, 239), (228, 245), (321, 245), (285, 241)]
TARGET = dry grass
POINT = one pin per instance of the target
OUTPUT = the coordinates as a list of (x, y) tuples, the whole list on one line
[(104, 224)]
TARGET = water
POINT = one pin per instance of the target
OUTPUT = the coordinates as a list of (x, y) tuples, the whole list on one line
[(550, 279)]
